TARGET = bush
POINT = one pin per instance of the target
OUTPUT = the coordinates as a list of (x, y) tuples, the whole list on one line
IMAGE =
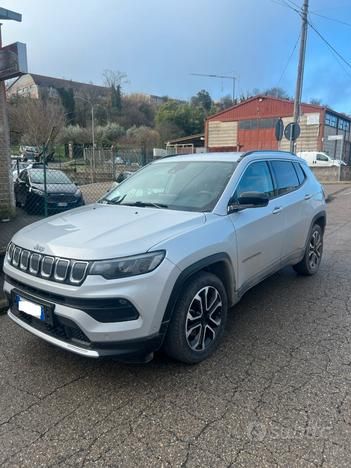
[(74, 134)]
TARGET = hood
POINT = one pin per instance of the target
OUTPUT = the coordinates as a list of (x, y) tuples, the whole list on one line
[(57, 188), (105, 231)]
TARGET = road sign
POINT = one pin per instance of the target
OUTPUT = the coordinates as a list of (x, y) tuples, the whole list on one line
[(9, 15), (335, 137), (279, 130), (13, 60), (292, 131)]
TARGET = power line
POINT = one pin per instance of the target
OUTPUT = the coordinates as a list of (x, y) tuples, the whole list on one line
[(330, 45), (288, 61), (331, 19), (340, 63), (292, 3), (283, 3)]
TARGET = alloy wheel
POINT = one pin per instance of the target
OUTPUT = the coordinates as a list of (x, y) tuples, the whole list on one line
[(203, 318), (315, 250)]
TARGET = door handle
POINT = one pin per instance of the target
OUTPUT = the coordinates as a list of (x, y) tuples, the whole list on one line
[(277, 210), (307, 196)]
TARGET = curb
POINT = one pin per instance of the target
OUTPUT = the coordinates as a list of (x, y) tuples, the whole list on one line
[(336, 182), (331, 196), (3, 300)]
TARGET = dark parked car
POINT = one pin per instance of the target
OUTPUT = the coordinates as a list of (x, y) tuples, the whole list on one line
[(62, 193)]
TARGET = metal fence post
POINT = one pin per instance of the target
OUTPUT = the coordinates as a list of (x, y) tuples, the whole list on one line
[(113, 164), (341, 157), (45, 185)]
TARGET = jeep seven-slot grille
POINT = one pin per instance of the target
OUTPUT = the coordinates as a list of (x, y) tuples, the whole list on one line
[(48, 267)]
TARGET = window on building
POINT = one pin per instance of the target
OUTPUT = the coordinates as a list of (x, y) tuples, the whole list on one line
[(331, 120), (253, 124), (344, 125)]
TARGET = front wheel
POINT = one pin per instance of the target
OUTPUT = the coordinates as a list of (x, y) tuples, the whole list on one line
[(309, 265), (198, 321)]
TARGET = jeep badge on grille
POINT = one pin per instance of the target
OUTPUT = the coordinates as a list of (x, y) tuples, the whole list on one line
[(39, 248)]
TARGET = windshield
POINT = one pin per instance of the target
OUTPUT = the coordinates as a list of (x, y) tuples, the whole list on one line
[(187, 186), (52, 177)]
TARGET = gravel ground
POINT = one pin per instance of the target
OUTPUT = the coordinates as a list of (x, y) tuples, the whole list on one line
[(276, 393)]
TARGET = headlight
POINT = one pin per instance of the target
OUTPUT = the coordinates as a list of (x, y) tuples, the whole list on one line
[(128, 266), (9, 252), (78, 193), (37, 191)]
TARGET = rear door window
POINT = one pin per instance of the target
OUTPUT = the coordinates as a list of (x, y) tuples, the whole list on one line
[(285, 177), (300, 173)]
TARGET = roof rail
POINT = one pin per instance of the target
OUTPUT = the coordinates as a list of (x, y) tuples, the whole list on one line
[(247, 153)]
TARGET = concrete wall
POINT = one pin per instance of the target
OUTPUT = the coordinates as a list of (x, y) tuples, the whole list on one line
[(331, 174), (24, 86)]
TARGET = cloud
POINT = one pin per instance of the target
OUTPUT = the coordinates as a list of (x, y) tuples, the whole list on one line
[(159, 43)]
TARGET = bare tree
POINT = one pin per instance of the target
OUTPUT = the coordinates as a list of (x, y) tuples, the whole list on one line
[(37, 121), (113, 79)]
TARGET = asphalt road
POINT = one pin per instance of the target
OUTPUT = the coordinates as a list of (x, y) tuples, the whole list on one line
[(277, 392)]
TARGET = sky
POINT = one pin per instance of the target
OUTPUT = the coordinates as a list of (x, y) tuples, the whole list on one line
[(159, 43)]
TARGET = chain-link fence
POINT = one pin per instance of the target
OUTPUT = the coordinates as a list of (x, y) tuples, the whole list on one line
[(44, 188)]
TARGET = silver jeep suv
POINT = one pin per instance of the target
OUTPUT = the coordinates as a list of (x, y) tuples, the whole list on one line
[(161, 258)]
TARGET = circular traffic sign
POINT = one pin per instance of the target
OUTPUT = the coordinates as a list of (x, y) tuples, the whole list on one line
[(292, 131)]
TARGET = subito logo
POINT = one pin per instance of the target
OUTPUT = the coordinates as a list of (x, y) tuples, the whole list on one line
[(256, 431)]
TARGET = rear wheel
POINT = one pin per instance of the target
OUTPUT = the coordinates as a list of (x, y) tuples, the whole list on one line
[(198, 321), (309, 265)]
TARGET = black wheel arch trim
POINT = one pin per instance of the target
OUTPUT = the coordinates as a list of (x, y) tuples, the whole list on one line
[(196, 267), (322, 214)]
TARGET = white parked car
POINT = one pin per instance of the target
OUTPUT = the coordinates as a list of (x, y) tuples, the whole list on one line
[(317, 158)]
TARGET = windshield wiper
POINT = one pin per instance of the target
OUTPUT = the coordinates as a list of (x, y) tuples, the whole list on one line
[(114, 201), (146, 204)]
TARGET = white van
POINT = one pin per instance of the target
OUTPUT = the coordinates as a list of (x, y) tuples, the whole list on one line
[(317, 158)]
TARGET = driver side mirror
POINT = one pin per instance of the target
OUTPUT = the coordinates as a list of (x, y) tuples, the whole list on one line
[(247, 200)]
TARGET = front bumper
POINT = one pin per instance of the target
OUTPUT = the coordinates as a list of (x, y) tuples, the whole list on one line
[(82, 320), (134, 350)]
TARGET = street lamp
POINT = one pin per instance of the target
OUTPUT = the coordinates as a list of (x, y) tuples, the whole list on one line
[(92, 123)]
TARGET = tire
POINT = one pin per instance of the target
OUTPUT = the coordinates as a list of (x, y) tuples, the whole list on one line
[(194, 333), (309, 265)]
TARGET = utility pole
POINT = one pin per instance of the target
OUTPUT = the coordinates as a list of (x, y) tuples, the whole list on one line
[(301, 66)]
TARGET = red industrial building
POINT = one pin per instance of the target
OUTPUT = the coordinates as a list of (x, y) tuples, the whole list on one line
[(250, 125)]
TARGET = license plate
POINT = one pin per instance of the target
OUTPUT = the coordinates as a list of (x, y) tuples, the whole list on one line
[(30, 308), (62, 204)]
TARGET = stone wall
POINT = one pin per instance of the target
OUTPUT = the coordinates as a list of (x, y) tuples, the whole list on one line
[(7, 203), (331, 174)]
